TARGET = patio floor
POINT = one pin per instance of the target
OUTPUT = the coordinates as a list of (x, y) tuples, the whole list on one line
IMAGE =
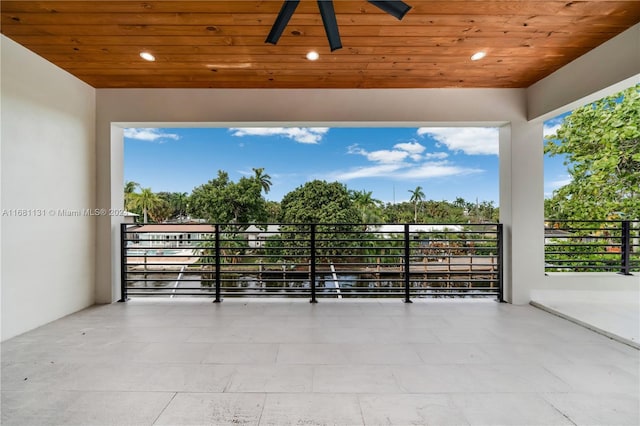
[(344, 362)]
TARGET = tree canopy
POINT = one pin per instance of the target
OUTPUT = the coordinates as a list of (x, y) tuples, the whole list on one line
[(222, 201), (319, 202), (601, 145)]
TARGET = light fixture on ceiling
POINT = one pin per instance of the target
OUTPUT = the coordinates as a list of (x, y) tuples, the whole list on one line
[(395, 8), (313, 55), (147, 56), (478, 55)]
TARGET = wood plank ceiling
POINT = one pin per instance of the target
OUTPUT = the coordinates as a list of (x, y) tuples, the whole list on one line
[(220, 44)]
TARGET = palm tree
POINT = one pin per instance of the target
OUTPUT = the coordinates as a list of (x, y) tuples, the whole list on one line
[(147, 201), (263, 178), (130, 193), (417, 195), (179, 202), (364, 202)]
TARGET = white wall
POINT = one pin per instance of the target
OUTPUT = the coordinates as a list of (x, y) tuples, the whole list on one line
[(48, 163)]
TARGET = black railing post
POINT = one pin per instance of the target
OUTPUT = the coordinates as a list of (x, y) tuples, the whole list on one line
[(217, 261), (407, 265), (123, 263), (500, 242), (625, 248), (312, 263)]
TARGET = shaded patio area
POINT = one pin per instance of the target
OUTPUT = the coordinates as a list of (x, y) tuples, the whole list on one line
[(347, 362)]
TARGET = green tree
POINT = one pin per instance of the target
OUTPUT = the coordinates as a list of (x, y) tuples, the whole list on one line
[(147, 200), (324, 203), (130, 194), (223, 201), (263, 178), (162, 211), (273, 211), (417, 196), (207, 200), (179, 202), (366, 205), (601, 146), (398, 213), (319, 202)]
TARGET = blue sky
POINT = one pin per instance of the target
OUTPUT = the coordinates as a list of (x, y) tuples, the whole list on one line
[(446, 162)]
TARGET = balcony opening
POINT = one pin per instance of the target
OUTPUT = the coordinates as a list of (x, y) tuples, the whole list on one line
[(236, 184)]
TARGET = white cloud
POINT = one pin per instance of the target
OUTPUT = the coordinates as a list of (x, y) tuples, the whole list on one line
[(387, 156), (392, 164), (309, 135), (410, 147), (436, 170), (404, 171), (401, 152), (469, 140), (551, 127), (148, 134), (436, 155), (550, 130), (380, 170)]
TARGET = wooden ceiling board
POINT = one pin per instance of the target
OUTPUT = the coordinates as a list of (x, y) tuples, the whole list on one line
[(204, 44)]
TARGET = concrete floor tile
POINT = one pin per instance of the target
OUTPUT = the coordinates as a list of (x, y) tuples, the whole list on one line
[(82, 408), (516, 378), (166, 352), (36, 376), (311, 409), (338, 362), (381, 354), (157, 334), (508, 409), (219, 335), (312, 353), (589, 378), (523, 353), (598, 409), (213, 409), (452, 353), (149, 377), (470, 334), (342, 334), (242, 353), (354, 379), (271, 378), (411, 409), (400, 335), (444, 378)]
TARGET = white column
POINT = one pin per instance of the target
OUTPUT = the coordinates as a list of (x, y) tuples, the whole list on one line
[(110, 164), (522, 207)]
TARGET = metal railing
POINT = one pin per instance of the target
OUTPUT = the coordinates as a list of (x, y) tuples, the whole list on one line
[(312, 260), (592, 246)]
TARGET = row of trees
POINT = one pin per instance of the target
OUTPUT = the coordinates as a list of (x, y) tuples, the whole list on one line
[(223, 201)]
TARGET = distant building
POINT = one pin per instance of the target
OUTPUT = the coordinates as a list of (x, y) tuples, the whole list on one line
[(183, 235), (256, 237), (388, 230), (130, 217)]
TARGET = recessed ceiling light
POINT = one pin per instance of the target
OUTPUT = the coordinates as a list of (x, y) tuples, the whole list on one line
[(478, 55), (313, 55), (147, 56)]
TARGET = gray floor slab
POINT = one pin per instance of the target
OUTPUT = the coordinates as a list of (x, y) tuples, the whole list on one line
[(343, 362)]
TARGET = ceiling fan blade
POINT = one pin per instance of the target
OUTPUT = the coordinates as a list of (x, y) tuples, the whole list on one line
[(394, 8), (330, 23), (288, 7)]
